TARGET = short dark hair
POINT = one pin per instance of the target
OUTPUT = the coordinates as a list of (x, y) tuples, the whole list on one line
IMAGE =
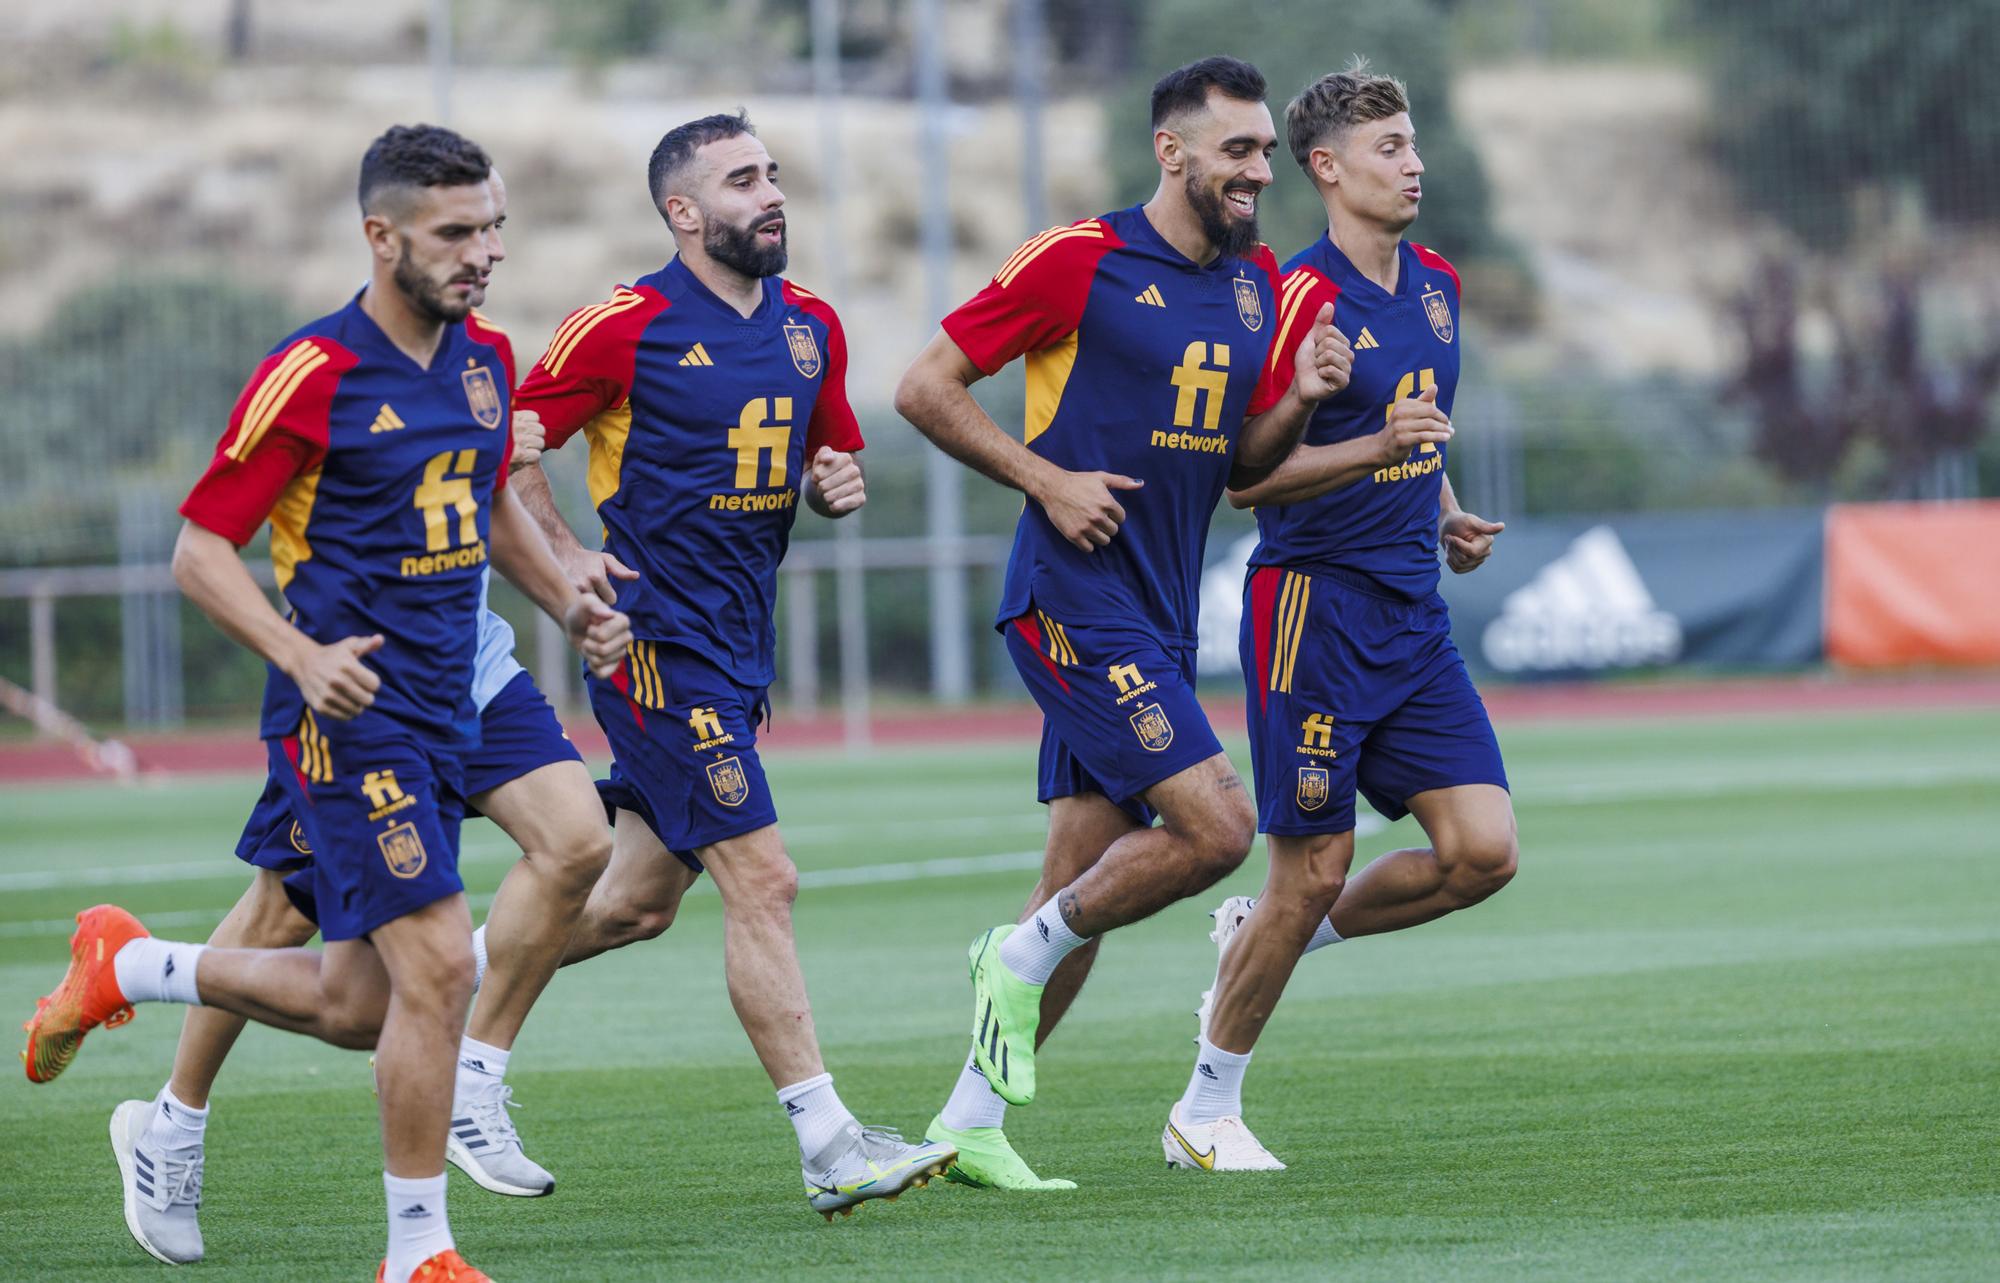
[(681, 142), (1334, 104), (420, 156), (1186, 88)]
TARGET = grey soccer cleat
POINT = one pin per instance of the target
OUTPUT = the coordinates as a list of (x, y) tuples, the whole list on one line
[(869, 1162), (1229, 917), (483, 1144), (162, 1186)]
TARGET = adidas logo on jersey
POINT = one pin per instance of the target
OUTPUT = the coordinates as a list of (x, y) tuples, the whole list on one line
[(386, 420), (1150, 296), (697, 355), (1586, 609), (1366, 341)]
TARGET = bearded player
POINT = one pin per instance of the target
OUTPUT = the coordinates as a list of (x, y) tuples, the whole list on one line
[(1153, 382)]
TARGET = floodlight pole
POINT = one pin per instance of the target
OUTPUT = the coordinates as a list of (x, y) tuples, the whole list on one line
[(438, 43)]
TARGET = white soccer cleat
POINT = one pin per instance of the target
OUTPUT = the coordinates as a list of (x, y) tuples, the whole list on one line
[(483, 1144), (162, 1186), (1229, 916), (1225, 1145)]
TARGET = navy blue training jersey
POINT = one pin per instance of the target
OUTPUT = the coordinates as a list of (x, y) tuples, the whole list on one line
[(1384, 526)]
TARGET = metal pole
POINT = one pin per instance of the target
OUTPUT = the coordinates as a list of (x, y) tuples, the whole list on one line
[(951, 661), (802, 639), (42, 650), (1030, 55), (438, 44), (850, 583)]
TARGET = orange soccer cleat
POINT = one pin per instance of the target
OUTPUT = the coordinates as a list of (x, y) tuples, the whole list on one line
[(446, 1267), (88, 995)]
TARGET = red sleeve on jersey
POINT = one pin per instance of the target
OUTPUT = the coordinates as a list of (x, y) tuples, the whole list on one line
[(277, 431), (1431, 258), (1301, 293), (833, 423), (481, 330), (588, 367), (1036, 299)]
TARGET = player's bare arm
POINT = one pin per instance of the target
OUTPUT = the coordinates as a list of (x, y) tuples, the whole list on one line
[(590, 570), (835, 485), (1467, 539), (1313, 470), (332, 677), (522, 554), (1322, 365), (935, 396)]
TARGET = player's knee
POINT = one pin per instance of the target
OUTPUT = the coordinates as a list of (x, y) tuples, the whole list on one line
[(580, 856), (1483, 863), (354, 1023), (774, 888)]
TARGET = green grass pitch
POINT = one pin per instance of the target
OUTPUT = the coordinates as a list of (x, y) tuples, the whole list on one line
[(1738, 1017)]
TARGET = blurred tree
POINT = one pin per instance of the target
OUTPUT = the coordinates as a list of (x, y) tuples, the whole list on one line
[(1292, 42), (1865, 131)]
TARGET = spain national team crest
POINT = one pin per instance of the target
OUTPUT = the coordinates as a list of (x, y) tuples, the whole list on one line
[(804, 349), (726, 777), (1249, 304), (1314, 787), (482, 395), (1154, 730), (1439, 312), (403, 849), (298, 839)]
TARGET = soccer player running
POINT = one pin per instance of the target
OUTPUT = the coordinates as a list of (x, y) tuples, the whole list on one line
[(529, 779), (713, 395), (1348, 661), (376, 442), (1153, 380)]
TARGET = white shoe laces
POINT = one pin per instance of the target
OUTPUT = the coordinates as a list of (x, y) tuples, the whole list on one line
[(176, 1177), (489, 1110)]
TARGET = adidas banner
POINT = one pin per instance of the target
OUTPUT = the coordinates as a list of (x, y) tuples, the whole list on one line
[(1580, 597)]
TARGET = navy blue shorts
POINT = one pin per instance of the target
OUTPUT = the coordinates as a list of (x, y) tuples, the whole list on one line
[(381, 818), (1348, 689), (684, 747), (1119, 713), (518, 733)]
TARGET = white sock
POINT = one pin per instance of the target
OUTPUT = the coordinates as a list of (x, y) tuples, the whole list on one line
[(152, 970), (816, 1113), (1041, 942), (175, 1125), (1323, 936), (417, 1228), (973, 1101), (478, 958), (480, 1066), (1215, 1088)]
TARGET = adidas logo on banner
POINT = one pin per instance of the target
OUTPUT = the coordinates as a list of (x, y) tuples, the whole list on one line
[(697, 355), (1150, 296), (1586, 609), (1366, 341)]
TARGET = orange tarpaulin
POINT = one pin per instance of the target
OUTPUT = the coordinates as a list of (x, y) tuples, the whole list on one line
[(1913, 583)]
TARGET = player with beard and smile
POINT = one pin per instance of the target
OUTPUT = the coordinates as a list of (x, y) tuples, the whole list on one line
[(713, 394), (1153, 382)]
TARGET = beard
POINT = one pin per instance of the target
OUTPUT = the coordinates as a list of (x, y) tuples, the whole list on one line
[(427, 295), (739, 249), (1230, 232)]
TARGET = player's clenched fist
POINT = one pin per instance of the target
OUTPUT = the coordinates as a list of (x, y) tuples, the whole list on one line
[(1082, 508), (1324, 361), (1412, 422), (1467, 540), (599, 633), (335, 682), (529, 438), (837, 476)]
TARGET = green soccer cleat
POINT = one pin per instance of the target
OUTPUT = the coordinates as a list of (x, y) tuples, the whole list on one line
[(986, 1160), (1005, 1013)]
